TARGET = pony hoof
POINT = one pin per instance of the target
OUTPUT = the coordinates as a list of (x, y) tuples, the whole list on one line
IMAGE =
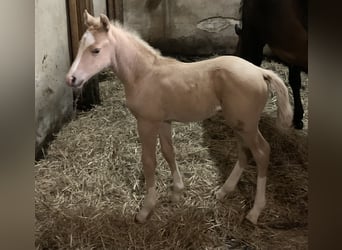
[(220, 195), (142, 217), (252, 218), (174, 198), (139, 219)]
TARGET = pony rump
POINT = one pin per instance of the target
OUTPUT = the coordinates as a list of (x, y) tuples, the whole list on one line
[(284, 112)]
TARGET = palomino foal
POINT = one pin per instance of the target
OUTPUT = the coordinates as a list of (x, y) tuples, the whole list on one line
[(160, 90)]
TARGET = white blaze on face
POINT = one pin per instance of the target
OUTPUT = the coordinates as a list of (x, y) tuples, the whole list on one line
[(86, 41)]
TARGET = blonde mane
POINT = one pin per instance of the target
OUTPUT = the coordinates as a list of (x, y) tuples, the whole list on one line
[(136, 37)]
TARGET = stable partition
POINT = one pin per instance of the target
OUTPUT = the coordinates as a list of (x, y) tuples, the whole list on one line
[(53, 99)]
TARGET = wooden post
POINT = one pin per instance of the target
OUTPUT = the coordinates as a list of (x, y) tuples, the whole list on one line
[(90, 94), (115, 10)]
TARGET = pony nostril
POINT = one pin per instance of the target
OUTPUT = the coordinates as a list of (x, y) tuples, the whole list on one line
[(73, 79)]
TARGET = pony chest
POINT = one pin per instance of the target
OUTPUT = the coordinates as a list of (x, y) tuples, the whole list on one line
[(144, 106)]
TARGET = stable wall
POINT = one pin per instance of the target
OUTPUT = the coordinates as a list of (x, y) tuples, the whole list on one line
[(186, 27), (99, 7), (53, 98)]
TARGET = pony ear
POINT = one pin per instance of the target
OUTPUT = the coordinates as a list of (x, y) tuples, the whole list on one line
[(89, 20), (105, 21)]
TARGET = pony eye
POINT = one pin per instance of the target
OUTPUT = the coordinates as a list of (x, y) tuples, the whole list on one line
[(95, 51)]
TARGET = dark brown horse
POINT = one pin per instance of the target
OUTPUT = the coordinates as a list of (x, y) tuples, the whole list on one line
[(282, 24)]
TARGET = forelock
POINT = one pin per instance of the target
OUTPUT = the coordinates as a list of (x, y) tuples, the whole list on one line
[(88, 39)]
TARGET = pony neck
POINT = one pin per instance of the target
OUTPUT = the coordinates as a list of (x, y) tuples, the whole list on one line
[(132, 59)]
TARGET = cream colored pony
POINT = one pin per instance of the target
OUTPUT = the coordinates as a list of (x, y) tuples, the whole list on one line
[(160, 90)]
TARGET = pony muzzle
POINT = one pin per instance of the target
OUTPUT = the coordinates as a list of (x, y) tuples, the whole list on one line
[(72, 81)]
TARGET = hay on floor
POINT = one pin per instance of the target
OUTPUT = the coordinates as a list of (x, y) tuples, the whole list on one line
[(90, 185)]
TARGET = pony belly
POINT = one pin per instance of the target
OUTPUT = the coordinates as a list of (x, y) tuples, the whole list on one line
[(192, 115)]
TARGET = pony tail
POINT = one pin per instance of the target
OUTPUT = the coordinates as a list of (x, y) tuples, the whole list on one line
[(284, 112)]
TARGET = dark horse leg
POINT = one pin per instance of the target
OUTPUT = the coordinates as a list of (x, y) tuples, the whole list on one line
[(249, 46), (295, 83)]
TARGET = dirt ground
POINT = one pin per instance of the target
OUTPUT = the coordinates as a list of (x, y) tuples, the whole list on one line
[(90, 184)]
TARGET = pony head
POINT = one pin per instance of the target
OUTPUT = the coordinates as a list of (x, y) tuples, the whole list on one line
[(94, 53)]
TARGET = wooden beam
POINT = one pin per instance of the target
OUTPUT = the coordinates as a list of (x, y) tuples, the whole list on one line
[(73, 29), (90, 94), (119, 10), (110, 4), (76, 22), (115, 10)]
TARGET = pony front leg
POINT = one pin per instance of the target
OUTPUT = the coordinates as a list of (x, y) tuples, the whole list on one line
[(148, 132)]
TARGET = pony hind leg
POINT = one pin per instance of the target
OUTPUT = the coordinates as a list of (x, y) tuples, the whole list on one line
[(167, 150), (234, 177), (261, 152)]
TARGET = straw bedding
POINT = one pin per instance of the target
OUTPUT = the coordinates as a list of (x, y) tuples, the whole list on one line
[(90, 184)]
